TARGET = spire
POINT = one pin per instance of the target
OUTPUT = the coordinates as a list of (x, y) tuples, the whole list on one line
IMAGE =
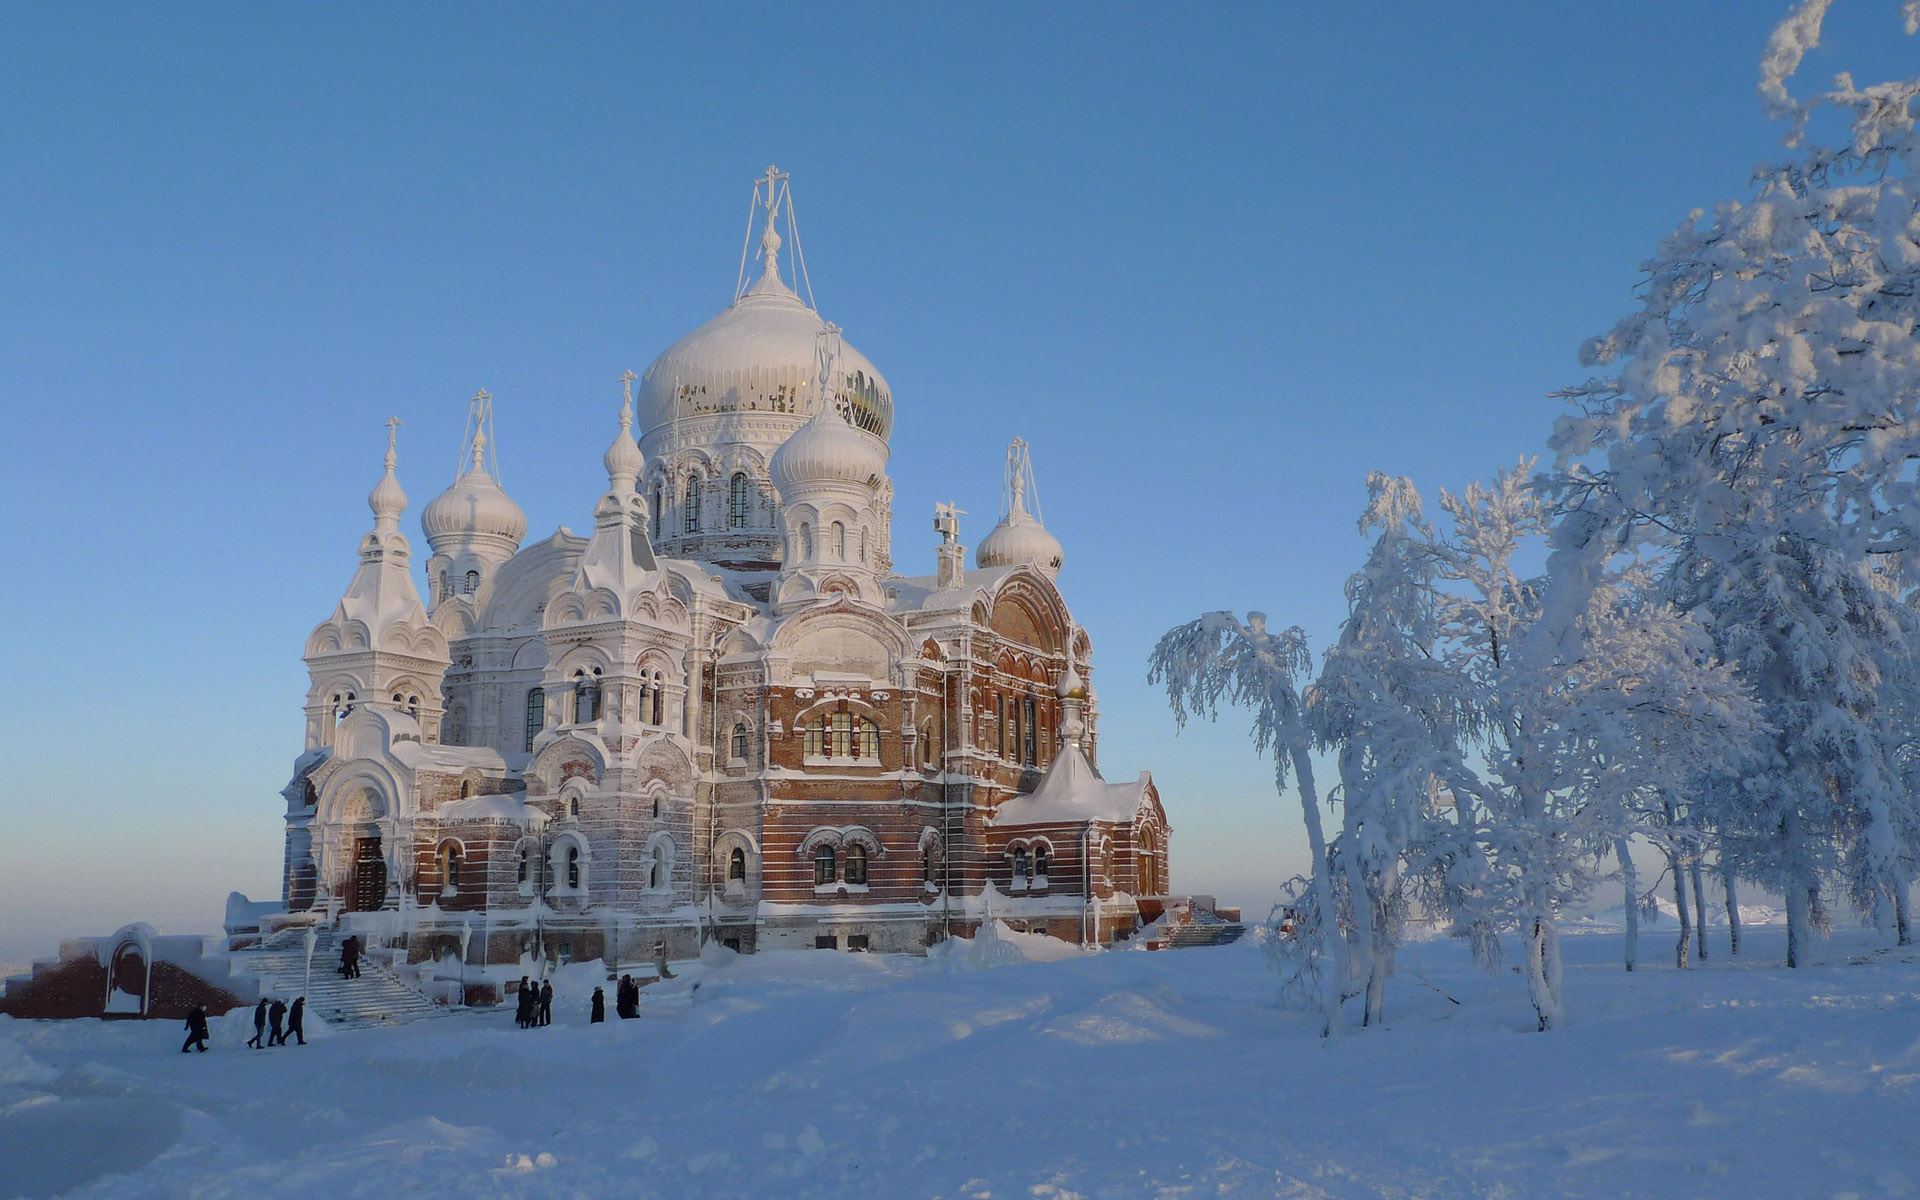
[(1072, 691), (772, 199), (623, 460), (387, 500)]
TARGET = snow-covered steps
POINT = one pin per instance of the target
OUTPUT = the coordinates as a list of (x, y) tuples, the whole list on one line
[(377, 997), (1183, 937)]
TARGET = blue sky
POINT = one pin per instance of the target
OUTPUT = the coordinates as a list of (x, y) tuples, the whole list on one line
[(1214, 262)]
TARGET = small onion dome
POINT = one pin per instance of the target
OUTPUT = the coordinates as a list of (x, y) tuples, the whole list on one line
[(827, 450), (475, 504), (1071, 686), (1019, 538), (623, 459)]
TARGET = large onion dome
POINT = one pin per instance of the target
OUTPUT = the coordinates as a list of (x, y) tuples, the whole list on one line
[(827, 450), (759, 356), (474, 507)]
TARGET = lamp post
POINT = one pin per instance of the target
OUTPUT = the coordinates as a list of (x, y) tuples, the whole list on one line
[(466, 952), (310, 937)]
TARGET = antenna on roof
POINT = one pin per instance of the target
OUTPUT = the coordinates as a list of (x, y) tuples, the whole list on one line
[(773, 198)]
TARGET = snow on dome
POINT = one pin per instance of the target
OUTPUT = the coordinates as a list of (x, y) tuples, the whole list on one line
[(475, 504), (827, 450), (759, 356), (1019, 537)]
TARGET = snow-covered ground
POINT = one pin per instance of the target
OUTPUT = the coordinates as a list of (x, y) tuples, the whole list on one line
[(1122, 1074)]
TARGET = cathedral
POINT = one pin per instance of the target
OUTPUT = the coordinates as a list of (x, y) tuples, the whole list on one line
[(722, 715)]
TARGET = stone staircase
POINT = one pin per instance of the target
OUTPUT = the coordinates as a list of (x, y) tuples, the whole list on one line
[(1185, 937), (376, 998)]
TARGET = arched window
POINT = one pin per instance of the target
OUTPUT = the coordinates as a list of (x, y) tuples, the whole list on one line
[(659, 699), (737, 492), (869, 746), (657, 509), (1020, 866), (446, 588), (466, 788), (806, 540), (737, 866), (573, 806), (526, 863), (656, 808), (473, 582), (929, 753), (1041, 861), (1027, 746), (926, 860), (660, 873), (586, 696), (449, 869), (857, 864), (693, 504), (573, 868), (822, 865), (740, 742), (840, 541), (536, 715), (863, 544)]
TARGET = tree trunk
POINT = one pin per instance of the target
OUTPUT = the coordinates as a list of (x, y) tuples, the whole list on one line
[(1733, 905), (1630, 886), (1902, 926), (1329, 916), (1798, 946), (1699, 902)]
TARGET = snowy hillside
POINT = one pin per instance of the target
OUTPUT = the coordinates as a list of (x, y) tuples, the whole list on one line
[(804, 1074)]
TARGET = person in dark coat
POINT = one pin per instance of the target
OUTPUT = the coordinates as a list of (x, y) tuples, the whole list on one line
[(352, 952), (276, 1015), (626, 998), (599, 1006), (546, 1003), (346, 959), (297, 1020), (523, 1008), (259, 1023), (196, 1029)]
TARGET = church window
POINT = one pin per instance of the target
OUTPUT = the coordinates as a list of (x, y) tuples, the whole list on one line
[(840, 541), (822, 866), (573, 806), (450, 869), (586, 696), (926, 861), (520, 874), (929, 753), (842, 735), (1027, 747), (806, 541), (869, 739), (863, 545), (573, 868), (660, 876), (1041, 861), (657, 508), (857, 865), (814, 736), (473, 582), (693, 504), (737, 492), (466, 788), (1020, 867), (413, 706), (536, 715), (656, 808), (740, 741), (737, 866)]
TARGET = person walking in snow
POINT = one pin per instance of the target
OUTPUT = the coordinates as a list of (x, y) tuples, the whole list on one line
[(350, 956), (297, 1020), (599, 1007), (523, 1008), (276, 1015), (196, 1029), (546, 1003), (346, 959), (626, 999), (259, 1023)]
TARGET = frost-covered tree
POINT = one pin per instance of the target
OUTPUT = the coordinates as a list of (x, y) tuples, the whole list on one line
[(1221, 658), (1759, 419)]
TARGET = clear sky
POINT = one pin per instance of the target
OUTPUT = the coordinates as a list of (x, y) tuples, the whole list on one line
[(1215, 262)]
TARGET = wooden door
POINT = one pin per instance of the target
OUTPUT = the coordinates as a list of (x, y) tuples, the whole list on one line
[(369, 875)]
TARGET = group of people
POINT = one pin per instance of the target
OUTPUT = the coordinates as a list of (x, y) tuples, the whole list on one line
[(272, 1014), (536, 1003), (350, 957), (274, 1021)]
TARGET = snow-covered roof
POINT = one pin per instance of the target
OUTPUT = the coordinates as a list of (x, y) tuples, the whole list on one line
[(923, 593), (511, 806), (1073, 791)]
